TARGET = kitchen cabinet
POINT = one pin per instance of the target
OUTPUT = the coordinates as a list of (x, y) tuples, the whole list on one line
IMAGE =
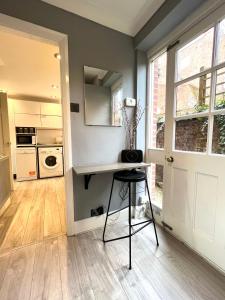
[(51, 109), (27, 107), (37, 114), (27, 120), (51, 121)]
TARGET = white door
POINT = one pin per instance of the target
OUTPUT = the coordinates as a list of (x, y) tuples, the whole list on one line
[(51, 109), (51, 121), (27, 120), (27, 107), (194, 146)]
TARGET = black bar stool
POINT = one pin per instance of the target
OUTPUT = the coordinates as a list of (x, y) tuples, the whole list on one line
[(132, 176)]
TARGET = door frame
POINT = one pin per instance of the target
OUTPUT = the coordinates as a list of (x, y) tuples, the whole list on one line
[(43, 34)]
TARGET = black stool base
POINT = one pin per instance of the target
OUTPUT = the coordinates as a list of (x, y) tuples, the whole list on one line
[(129, 177)]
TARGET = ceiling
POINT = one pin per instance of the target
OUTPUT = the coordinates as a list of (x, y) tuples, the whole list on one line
[(127, 16), (28, 68)]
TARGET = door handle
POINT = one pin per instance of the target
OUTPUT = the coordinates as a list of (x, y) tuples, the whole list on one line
[(170, 159)]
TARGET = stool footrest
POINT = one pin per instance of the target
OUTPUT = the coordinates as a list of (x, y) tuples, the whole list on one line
[(118, 210), (150, 220), (118, 238), (146, 223)]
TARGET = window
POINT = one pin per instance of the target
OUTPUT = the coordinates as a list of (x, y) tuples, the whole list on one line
[(200, 93), (158, 101), (117, 106)]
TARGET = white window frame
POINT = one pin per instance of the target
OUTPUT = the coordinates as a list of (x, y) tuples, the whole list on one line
[(210, 21), (150, 96), (212, 70)]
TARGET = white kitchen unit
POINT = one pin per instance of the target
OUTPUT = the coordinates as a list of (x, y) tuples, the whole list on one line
[(51, 121), (51, 109), (27, 120), (26, 163), (27, 107)]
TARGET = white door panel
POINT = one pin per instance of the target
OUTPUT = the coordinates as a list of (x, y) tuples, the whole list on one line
[(194, 182), (27, 107), (27, 120), (51, 109), (51, 121)]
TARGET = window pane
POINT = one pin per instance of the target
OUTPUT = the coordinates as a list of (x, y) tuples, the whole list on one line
[(117, 107), (218, 142), (156, 184), (221, 42), (191, 134), (193, 96), (157, 125), (196, 56), (220, 89)]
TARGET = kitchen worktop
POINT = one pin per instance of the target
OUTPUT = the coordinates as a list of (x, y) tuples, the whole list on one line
[(49, 145), (39, 145)]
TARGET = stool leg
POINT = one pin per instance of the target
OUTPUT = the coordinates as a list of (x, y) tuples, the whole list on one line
[(110, 197), (153, 220), (129, 187)]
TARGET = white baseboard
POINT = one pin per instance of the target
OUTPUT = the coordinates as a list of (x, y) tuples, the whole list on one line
[(99, 221), (5, 206)]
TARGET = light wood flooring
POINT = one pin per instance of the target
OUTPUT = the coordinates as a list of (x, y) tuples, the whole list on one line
[(36, 213), (82, 267)]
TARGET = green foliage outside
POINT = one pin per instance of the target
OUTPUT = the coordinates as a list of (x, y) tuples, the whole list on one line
[(219, 121)]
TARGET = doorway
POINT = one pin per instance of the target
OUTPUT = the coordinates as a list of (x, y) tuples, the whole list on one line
[(33, 189), (186, 146)]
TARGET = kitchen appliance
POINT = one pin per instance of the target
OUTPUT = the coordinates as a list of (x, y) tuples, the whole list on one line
[(25, 136), (26, 163), (50, 161)]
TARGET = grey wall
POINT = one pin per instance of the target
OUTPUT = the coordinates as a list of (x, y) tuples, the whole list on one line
[(4, 181), (97, 105), (93, 45)]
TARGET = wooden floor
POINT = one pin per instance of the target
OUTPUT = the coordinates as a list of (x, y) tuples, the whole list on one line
[(36, 213), (82, 267)]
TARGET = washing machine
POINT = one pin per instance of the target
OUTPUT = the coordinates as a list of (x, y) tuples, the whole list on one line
[(50, 161)]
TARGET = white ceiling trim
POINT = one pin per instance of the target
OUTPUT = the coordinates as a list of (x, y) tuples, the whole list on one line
[(126, 16)]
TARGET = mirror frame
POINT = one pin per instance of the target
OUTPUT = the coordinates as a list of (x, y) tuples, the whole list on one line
[(84, 97)]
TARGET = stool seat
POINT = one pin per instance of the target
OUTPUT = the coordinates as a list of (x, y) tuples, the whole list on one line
[(129, 176)]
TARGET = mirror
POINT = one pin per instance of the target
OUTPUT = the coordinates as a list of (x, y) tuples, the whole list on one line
[(103, 97)]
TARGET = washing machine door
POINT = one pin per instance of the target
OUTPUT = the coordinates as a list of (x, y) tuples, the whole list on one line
[(51, 161)]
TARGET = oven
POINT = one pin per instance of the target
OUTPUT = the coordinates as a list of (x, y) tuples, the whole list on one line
[(25, 136)]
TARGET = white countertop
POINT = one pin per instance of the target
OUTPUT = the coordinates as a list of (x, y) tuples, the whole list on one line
[(97, 169)]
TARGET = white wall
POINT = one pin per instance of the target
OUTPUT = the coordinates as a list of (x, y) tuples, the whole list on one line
[(1, 134), (48, 136)]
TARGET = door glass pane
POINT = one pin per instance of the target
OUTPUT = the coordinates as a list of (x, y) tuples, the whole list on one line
[(193, 96), (218, 142), (220, 89), (196, 56), (157, 118), (221, 43), (191, 134), (156, 184)]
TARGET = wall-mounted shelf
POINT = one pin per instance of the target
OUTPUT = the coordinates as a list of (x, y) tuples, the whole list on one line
[(89, 171)]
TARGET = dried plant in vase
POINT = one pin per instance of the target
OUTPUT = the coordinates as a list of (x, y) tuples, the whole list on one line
[(131, 123)]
